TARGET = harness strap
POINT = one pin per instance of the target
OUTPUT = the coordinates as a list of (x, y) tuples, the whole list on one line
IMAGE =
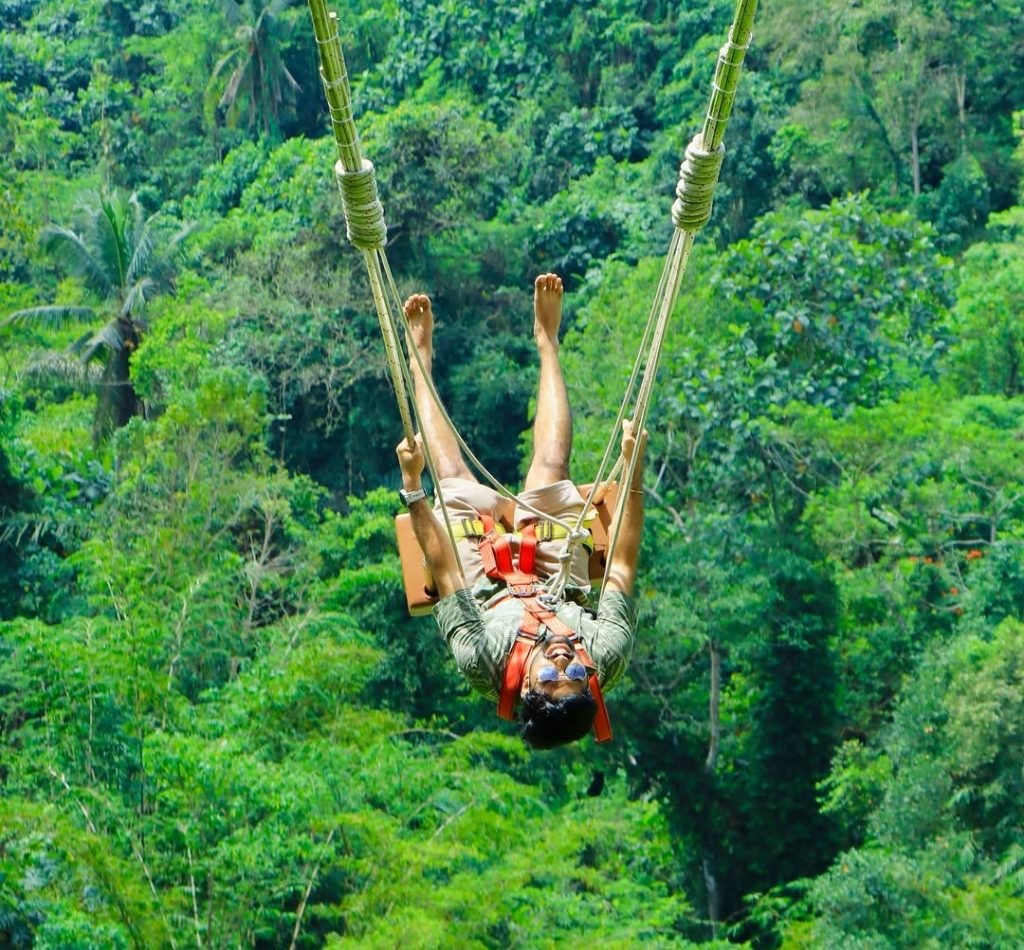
[(527, 549), (498, 560), (512, 682), (535, 614), (551, 620), (475, 529), (495, 551), (520, 582)]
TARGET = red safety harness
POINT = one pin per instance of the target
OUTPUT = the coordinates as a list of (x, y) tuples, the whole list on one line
[(521, 582)]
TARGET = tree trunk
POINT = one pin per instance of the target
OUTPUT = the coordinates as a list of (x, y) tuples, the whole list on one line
[(915, 142), (960, 89), (710, 766), (915, 161), (715, 726), (118, 402)]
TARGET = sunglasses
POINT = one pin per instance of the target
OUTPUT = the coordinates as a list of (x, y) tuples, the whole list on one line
[(574, 671)]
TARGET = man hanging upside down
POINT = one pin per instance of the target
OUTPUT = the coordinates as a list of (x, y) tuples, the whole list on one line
[(478, 618)]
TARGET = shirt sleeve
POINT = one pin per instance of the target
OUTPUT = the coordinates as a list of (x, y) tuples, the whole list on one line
[(461, 623), (612, 645)]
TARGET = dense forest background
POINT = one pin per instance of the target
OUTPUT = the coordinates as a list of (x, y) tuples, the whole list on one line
[(217, 723)]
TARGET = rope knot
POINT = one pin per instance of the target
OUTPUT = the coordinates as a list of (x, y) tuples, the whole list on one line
[(364, 214), (698, 176), (578, 537), (573, 540)]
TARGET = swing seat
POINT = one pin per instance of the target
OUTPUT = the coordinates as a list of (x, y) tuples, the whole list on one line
[(419, 594)]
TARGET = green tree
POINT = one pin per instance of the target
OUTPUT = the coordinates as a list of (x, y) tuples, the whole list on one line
[(891, 94), (918, 505), (123, 258), (988, 319), (259, 83), (943, 856)]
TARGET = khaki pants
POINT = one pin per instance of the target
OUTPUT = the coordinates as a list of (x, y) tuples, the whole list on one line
[(469, 499)]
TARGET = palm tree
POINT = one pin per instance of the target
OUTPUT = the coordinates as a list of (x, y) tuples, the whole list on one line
[(259, 79), (124, 258)]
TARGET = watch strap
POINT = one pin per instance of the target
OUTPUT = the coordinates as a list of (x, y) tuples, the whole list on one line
[(411, 497)]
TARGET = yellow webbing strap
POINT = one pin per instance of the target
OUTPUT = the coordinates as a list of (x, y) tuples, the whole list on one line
[(545, 530)]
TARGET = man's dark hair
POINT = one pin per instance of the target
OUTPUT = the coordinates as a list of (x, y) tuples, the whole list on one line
[(547, 723)]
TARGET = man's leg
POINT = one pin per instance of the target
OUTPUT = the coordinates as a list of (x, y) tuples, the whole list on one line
[(437, 434), (552, 426)]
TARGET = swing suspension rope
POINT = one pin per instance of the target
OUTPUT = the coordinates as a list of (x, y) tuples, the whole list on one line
[(367, 230)]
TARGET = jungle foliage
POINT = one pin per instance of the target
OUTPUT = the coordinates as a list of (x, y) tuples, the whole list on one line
[(217, 723)]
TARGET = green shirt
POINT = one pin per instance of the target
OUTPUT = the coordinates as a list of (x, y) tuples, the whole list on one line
[(480, 639)]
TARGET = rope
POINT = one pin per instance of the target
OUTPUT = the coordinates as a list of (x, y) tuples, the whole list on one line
[(698, 176), (367, 230), (381, 266), (443, 412), (364, 214)]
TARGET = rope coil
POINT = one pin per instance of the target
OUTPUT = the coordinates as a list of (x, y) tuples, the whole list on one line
[(364, 214), (698, 176), (339, 108)]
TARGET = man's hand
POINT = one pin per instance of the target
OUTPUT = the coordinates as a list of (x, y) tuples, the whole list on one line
[(410, 460), (433, 541), (629, 441)]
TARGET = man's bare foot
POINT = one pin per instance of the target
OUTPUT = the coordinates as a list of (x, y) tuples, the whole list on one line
[(421, 324), (547, 308)]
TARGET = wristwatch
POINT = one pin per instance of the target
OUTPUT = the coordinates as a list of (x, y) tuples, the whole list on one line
[(410, 497)]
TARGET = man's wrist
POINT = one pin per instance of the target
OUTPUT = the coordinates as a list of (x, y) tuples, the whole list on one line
[(411, 496)]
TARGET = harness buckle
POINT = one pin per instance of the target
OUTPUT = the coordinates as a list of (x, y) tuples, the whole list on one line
[(545, 530), (521, 590), (473, 529), (548, 600)]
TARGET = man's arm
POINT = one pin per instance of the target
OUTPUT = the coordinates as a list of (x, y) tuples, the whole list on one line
[(622, 571), (433, 541)]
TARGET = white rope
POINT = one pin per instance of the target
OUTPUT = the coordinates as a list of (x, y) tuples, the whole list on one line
[(668, 292), (392, 349), (367, 230), (381, 264), (653, 329)]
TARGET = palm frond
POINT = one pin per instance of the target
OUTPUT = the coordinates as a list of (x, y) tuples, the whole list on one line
[(72, 251), (63, 365), (176, 240), (51, 317), (223, 61), (21, 528), (109, 337), (292, 81), (139, 220), (142, 244), (135, 299), (79, 345), (234, 83), (110, 236), (171, 254)]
